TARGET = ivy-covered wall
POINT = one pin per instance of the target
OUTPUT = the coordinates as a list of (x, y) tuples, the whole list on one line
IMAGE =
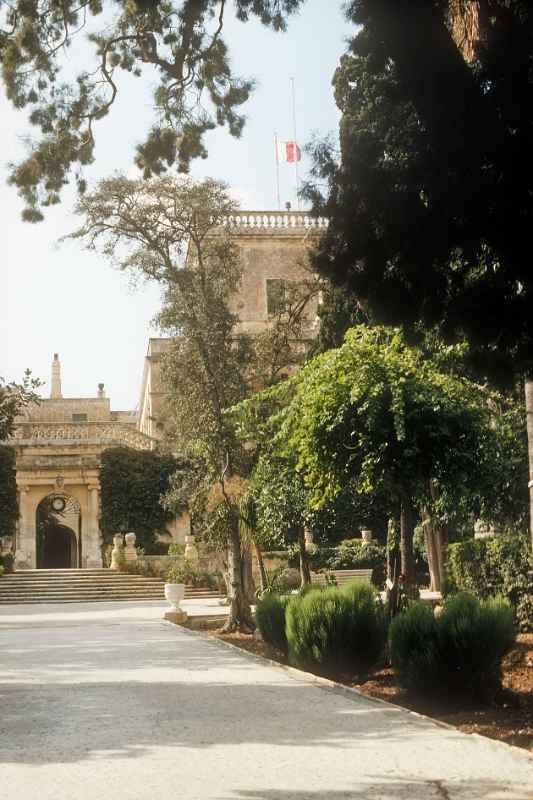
[(8, 492), (132, 483)]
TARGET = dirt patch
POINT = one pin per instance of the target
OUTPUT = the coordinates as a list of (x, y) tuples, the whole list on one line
[(510, 720)]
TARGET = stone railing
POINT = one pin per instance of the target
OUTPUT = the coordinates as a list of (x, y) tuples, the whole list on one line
[(276, 220), (93, 432)]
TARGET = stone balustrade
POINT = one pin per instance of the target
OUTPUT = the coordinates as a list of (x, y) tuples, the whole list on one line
[(297, 221), (98, 432)]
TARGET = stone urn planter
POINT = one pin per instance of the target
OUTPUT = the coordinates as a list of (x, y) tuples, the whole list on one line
[(366, 535), (174, 593)]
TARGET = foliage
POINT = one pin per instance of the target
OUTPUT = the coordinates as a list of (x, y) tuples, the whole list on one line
[(180, 44), (353, 554), (458, 653), (429, 221), (336, 631), (376, 411), (8, 492), (176, 549), (502, 565), (132, 484), (177, 233), (7, 563), (270, 618), (14, 398), (191, 575)]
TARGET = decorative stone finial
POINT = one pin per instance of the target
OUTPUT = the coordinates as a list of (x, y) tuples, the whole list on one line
[(55, 386), (101, 390)]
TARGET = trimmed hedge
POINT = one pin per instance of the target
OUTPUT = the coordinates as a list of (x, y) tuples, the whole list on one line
[(458, 653), (270, 618), (336, 631), (353, 554), (502, 565)]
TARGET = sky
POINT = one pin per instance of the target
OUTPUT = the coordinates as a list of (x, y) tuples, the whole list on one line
[(59, 298)]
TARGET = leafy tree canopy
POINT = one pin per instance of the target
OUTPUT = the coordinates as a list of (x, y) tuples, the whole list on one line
[(8, 492), (14, 397), (180, 41), (379, 416), (429, 199)]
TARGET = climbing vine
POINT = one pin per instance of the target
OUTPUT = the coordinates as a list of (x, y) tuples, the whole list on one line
[(132, 484)]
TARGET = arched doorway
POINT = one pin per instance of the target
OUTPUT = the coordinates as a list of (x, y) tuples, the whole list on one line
[(58, 532)]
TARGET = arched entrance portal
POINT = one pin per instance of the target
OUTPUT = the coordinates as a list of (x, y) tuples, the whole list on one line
[(58, 532)]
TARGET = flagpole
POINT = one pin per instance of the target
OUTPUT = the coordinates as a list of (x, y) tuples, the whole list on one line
[(277, 168), (295, 143)]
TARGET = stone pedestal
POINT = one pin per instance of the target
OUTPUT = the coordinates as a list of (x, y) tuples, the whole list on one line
[(310, 546), (130, 553), (366, 535), (177, 617), (191, 551), (117, 553)]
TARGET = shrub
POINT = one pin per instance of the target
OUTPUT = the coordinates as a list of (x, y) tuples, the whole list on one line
[(336, 631), (457, 653), (176, 549), (353, 554), (190, 575), (413, 648), (270, 618), (7, 563), (502, 565)]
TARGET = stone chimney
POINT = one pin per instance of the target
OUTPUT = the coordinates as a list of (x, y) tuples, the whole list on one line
[(101, 390), (55, 388)]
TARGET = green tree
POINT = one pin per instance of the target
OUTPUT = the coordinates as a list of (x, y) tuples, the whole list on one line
[(429, 214), (8, 492), (132, 485), (379, 416), (179, 42), (14, 398), (153, 228)]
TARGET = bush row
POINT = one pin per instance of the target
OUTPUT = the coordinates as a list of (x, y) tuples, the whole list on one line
[(502, 565), (343, 631)]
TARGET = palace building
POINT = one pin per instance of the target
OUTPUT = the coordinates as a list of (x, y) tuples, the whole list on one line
[(59, 442)]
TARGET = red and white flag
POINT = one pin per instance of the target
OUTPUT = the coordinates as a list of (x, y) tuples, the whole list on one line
[(289, 151)]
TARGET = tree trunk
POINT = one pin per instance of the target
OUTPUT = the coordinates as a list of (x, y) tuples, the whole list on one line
[(393, 550), (406, 545), (433, 537), (263, 578), (305, 572), (240, 614), (248, 583), (529, 415)]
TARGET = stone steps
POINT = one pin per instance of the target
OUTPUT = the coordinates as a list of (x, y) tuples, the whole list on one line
[(81, 586)]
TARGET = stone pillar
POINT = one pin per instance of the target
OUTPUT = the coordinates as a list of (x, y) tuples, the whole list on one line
[(26, 552), (91, 539), (366, 535), (191, 551), (130, 553), (310, 546), (117, 553)]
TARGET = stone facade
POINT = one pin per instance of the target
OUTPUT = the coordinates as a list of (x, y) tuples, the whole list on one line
[(274, 248), (58, 444)]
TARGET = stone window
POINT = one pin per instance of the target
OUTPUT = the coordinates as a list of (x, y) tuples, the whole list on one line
[(276, 293), (79, 418)]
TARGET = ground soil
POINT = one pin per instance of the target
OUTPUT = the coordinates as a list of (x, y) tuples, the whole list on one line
[(509, 720)]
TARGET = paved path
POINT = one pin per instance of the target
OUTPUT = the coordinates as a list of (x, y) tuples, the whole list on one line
[(114, 704)]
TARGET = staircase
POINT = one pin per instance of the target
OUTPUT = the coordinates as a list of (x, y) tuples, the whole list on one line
[(85, 586)]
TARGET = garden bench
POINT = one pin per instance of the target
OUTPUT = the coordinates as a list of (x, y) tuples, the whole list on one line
[(342, 576)]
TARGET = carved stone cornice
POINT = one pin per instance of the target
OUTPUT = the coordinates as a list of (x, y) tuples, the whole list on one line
[(100, 433)]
